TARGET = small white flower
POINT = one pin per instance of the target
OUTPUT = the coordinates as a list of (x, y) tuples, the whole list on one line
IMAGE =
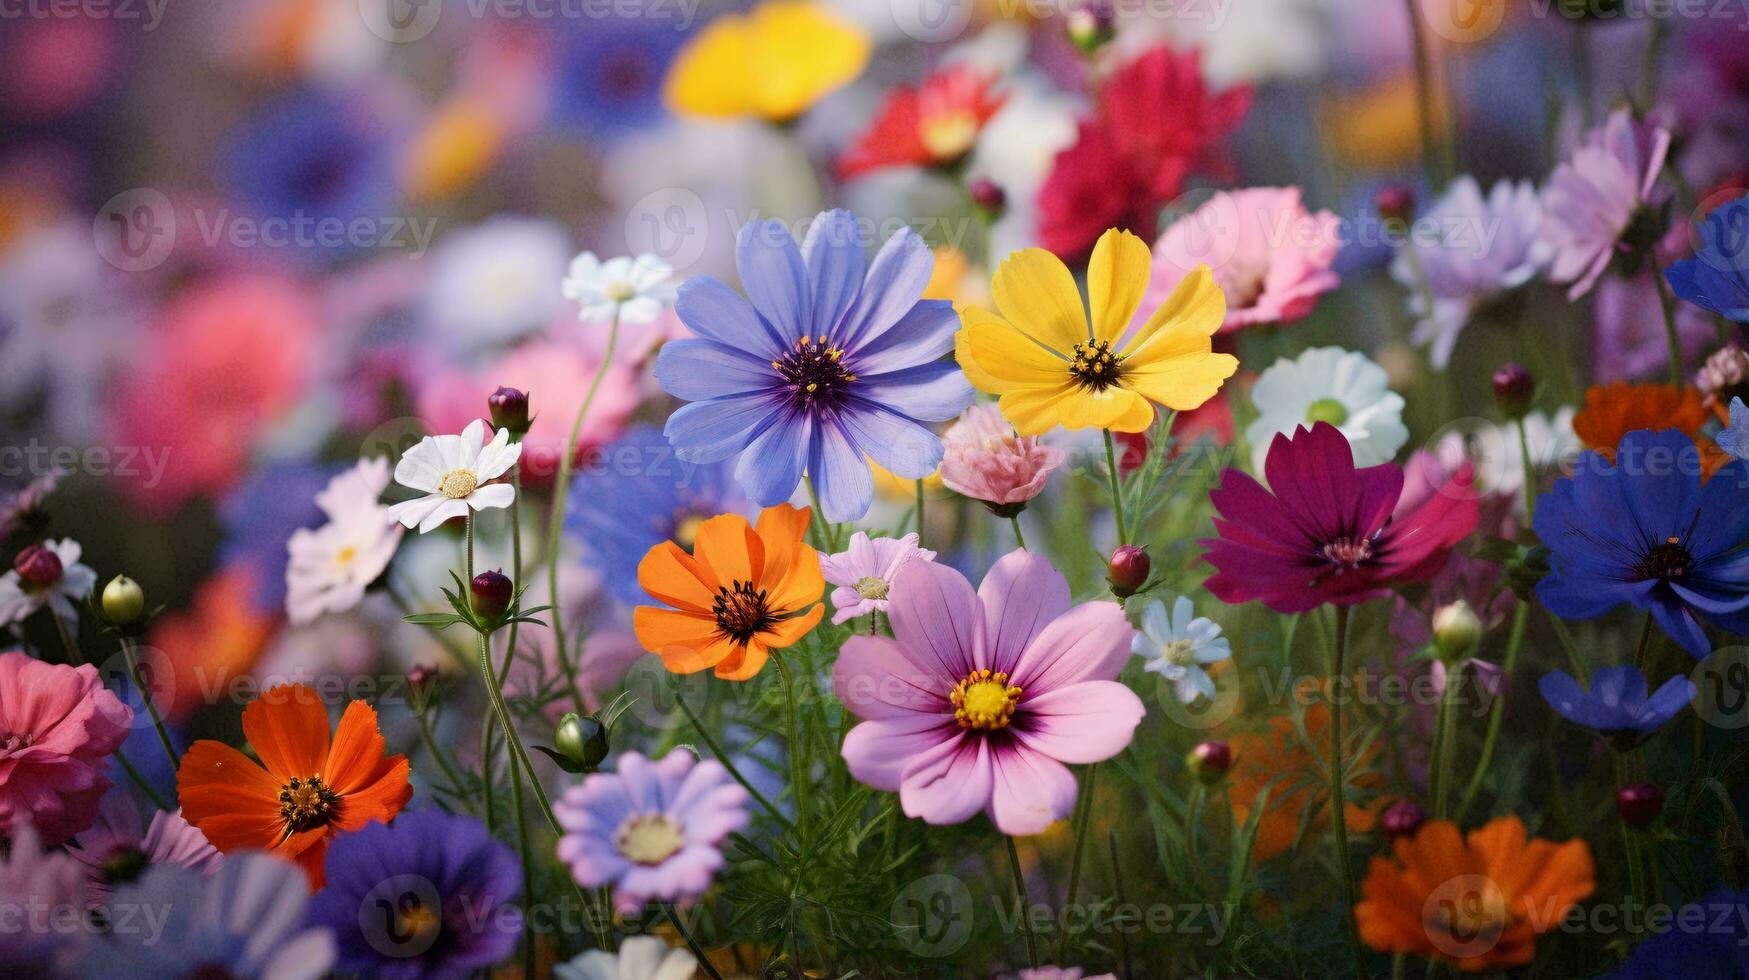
[(454, 473), (640, 958), (1178, 645), (637, 288), (494, 282), (18, 599), (1329, 384), (331, 566)]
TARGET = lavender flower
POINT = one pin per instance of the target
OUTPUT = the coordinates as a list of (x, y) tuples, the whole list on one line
[(1595, 195), (863, 572), (1617, 704)]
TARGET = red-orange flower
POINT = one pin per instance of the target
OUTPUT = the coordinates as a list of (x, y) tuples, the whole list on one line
[(1478, 902), (932, 125), (1614, 410), (312, 788), (1261, 758)]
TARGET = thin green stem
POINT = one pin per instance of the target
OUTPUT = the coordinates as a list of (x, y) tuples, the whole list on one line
[(1496, 712), (698, 952), (1019, 536), (68, 643), (1630, 843), (127, 652), (1667, 303), (1123, 534), (140, 781), (1339, 796), (723, 757), (429, 737), (921, 529), (1645, 644), (556, 521), (1083, 819), (1530, 481), (1123, 943), (488, 749), (522, 844), (797, 750), (1025, 904), (1444, 737), (1430, 155), (1568, 647)]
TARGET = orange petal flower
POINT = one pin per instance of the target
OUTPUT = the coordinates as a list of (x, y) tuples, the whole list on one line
[(311, 788), (741, 592), (1260, 759), (1478, 902), (1614, 410)]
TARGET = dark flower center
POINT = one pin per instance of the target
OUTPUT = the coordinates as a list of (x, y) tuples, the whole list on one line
[(1667, 560), (124, 864), (14, 741), (306, 803), (742, 612), (814, 373), (1348, 552), (1094, 366)]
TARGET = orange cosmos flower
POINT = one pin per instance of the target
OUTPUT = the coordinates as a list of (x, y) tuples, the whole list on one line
[(1479, 903), (743, 590), (1614, 410), (1260, 759), (311, 789), (933, 125)]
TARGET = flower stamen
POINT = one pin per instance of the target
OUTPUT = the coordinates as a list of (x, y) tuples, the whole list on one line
[(306, 803), (984, 700), (742, 612), (1094, 366), (814, 373), (458, 484), (649, 839)]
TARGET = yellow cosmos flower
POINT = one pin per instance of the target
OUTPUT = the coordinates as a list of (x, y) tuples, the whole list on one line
[(1052, 366), (772, 63)]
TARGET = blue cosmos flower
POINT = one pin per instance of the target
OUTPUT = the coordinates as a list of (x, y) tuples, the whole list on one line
[(1617, 704), (821, 371), (1717, 278), (1734, 438), (1644, 531), (633, 494), (1707, 938), (430, 895), (608, 80)]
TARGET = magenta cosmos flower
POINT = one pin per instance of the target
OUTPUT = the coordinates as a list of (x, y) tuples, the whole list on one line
[(1596, 194), (652, 830), (863, 572), (1270, 256), (119, 846), (58, 726), (987, 460), (980, 698), (1328, 532)]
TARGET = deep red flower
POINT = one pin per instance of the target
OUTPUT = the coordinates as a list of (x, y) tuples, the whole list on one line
[(1156, 123), (1328, 532), (932, 125)]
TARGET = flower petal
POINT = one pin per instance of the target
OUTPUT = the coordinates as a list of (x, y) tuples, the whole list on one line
[(1019, 597)]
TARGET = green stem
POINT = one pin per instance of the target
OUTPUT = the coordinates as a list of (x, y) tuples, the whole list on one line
[(920, 526), (1019, 537), (1025, 904), (127, 652), (68, 643), (522, 843), (457, 786), (1581, 43), (1123, 943), (1083, 819), (723, 757), (1430, 156), (1496, 712), (1645, 644), (1568, 647), (1443, 737), (1667, 303), (691, 943), (1123, 534), (797, 764), (1530, 481), (556, 522), (488, 749), (140, 781), (1630, 843), (1339, 796)]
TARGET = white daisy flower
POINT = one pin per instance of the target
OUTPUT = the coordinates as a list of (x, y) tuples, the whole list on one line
[(50, 575), (331, 566), (639, 958), (1328, 384), (494, 281), (455, 474), (1177, 645), (637, 288)]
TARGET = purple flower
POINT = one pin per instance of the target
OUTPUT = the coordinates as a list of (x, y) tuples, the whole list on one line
[(863, 572), (37, 888), (430, 895), (119, 847), (1630, 338), (1734, 438), (1717, 278), (652, 830), (1595, 195), (1617, 704), (829, 361)]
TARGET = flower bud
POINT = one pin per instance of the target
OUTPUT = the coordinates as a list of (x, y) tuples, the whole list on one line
[(421, 679), (38, 567), (1128, 570), (1514, 390), (509, 407), (1402, 819), (1092, 26), (1640, 804), (1396, 204), (988, 197), (1209, 761), (492, 592), (123, 601), (581, 740), (1456, 630)]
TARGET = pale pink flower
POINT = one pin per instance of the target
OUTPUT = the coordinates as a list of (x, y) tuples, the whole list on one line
[(120, 845), (58, 727), (1595, 194), (1269, 255), (979, 699), (986, 460), (39, 888), (863, 572)]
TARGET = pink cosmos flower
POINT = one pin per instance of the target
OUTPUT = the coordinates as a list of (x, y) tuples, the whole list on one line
[(1594, 196), (1269, 254), (979, 699), (120, 847), (38, 888), (864, 572), (556, 377), (652, 830), (985, 460), (58, 726), (1328, 532)]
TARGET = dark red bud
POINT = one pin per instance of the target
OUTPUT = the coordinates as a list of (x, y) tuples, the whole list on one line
[(1210, 761), (1128, 570), (509, 408), (988, 196), (492, 594), (1640, 804), (1402, 819), (1514, 389), (38, 567), (1396, 203)]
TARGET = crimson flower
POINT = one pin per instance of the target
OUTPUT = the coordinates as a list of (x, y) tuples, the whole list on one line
[(933, 125)]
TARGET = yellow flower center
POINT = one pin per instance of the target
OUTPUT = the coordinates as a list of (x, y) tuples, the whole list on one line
[(345, 555), (1094, 366), (870, 587), (649, 839), (949, 136), (984, 700), (620, 292), (458, 484), (1180, 653), (306, 803), (415, 923)]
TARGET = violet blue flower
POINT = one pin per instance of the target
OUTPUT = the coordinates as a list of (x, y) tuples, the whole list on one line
[(1706, 938), (1595, 195), (829, 361), (430, 895), (652, 830), (1734, 438), (1717, 278), (1646, 532), (980, 698), (863, 572), (1617, 704)]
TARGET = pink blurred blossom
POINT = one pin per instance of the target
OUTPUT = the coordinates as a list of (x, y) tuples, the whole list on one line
[(58, 726)]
